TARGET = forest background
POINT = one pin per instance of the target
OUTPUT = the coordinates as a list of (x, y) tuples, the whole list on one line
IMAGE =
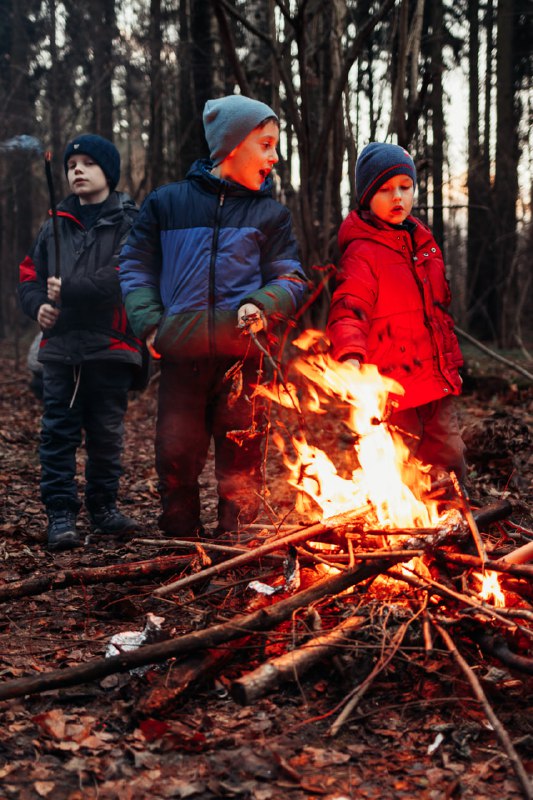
[(340, 73)]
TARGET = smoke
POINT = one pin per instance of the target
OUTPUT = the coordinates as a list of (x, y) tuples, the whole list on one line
[(23, 142)]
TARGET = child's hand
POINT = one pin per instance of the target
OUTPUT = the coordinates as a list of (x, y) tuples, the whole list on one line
[(54, 289), (47, 316), (251, 317), (353, 361)]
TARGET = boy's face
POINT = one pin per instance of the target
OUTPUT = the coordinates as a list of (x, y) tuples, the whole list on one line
[(86, 179), (252, 160), (394, 200)]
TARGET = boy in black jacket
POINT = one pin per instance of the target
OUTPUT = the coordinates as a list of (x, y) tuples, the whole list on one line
[(88, 352)]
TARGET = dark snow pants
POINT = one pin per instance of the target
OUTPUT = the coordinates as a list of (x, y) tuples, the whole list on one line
[(436, 437), (197, 404), (99, 406)]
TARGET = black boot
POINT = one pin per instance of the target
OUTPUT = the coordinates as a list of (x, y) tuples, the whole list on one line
[(109, 520), (62, 534)]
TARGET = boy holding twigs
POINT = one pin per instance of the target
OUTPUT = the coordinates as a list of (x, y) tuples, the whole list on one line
[(88, 351), (209, 258), (390, 307)]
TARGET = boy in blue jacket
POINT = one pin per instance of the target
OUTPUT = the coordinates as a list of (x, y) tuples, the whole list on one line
[(209, 258), (88, 351)]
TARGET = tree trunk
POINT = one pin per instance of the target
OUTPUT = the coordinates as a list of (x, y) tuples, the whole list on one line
[(102, 67), (438, 127), (500, 304), (479, 278), (155, 142)]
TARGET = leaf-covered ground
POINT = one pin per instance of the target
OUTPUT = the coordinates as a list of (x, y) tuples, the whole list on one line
[(416, 732)]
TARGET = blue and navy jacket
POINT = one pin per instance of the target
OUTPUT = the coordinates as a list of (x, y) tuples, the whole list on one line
[(92, 325), (199, 249)]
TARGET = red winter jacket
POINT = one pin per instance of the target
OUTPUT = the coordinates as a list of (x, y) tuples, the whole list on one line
[(389, 307)]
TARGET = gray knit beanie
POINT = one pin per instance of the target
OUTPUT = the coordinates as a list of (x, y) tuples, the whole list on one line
[(376, 164), (229, 120), (101, 150)]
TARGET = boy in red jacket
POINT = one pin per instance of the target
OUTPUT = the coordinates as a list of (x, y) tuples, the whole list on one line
[(390, 307)]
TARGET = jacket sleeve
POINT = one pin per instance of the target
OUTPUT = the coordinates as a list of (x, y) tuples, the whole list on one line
[(284, 283), (33, 274), (140, 269), (352, 305)]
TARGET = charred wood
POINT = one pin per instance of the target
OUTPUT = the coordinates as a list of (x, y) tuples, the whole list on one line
[(162, 696), (496, 646)]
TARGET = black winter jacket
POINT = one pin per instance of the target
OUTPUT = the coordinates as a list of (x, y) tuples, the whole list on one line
[(92, 324)]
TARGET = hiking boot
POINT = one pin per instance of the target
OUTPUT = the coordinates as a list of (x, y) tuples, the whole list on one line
[(109, 520), (62, 534)]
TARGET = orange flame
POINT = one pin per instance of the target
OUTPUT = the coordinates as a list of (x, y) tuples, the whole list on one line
[(491, 590), (382, 457)]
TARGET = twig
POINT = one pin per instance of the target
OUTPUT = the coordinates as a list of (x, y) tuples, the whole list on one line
[(311, 531), (470, 519), (519, 556), (475, 603), (500, 565), (492, 354), (358, 693), (498, 728)]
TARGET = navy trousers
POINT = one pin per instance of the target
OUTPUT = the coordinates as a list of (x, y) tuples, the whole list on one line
[(98, 409)]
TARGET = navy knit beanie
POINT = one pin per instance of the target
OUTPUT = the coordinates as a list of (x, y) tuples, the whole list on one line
[(376, 164), (229, 120), (101, 150)]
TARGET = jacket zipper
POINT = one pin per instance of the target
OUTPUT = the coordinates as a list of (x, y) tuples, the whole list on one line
[(211, 298)]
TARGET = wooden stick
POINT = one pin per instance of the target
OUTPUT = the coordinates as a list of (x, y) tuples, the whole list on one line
[(500, 565), (293, 664), (363, 687), (470, 519), (261, 620), (86, 576), (519, 556), (497, 726), (309, 532), (492, 354)]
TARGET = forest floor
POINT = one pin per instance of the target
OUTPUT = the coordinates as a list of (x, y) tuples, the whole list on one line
[(417, 731)]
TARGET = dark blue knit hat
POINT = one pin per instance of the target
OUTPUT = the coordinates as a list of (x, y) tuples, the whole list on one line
[(229, 120), (376, 164), (101, 150)]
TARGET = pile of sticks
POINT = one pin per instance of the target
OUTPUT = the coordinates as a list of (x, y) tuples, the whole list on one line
[(198, 653)]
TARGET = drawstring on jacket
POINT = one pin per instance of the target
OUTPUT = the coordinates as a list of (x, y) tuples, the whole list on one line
[(76, 374)]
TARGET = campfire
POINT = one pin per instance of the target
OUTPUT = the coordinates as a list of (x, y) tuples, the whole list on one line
[(377, 538)]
